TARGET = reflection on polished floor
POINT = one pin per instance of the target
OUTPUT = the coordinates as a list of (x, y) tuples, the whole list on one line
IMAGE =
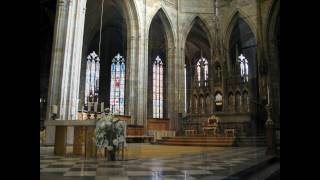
[(146, 161)]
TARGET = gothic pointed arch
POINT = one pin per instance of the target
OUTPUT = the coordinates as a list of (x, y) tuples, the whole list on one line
[(233, 22), (160, 63), (119, 35), (201, 23), (167, 24), (198, 60)]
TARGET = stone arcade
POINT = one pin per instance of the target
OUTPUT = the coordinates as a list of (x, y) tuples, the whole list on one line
[(164, 66)]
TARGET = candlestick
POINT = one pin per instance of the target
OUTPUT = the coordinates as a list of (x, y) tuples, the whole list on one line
[(89, 106), (54, 109), (268, 94), (102, 107), (95, 106)]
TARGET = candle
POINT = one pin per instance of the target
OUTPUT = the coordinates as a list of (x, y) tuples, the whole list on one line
[(95, 106), (54, 109), (89, 106), (268, 94), (102, 107)]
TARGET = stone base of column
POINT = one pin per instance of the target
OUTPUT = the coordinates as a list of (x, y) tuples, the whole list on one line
[(270, 135)]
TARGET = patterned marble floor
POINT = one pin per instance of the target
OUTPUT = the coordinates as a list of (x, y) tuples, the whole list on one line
[(201, 165)]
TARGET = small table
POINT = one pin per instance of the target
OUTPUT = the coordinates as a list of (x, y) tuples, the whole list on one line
[(229, 132), (190, 132), (206, 130)]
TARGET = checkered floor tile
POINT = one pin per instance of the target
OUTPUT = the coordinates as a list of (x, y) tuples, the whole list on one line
[(194, 166)]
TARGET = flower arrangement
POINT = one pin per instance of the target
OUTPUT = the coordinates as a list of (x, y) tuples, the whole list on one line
[(110, 133)]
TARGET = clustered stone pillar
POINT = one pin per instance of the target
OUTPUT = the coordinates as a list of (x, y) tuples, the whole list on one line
[(66, 63)]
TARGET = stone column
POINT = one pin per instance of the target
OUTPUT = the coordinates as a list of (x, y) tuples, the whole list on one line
[(133, 81), (142, 72), (66, 63), (56, 62), (142, 82), (172, 88)]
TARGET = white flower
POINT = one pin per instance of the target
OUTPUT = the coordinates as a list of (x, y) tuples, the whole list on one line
[(110, 148), (108, 123), (121, 139), (115, 142)]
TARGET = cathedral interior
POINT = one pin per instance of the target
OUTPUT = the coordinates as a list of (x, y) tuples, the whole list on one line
[(196, 81)]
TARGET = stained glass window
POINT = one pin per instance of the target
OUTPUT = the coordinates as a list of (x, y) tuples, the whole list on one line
[(244, 69), (199, 72), (202, 71), (92, 78), (118, 69), (185, 88), (157, 81)]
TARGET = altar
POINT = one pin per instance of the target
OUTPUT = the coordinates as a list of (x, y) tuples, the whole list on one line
[(84, 131), (83, 143)]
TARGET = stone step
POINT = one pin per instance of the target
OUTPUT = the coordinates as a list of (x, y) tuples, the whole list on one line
[(258, 141), (217, 144)]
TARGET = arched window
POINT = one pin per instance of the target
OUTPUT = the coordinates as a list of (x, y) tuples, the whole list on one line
[(185, 88), (198, 72), (244, 68), (245, 101), (195, 104), (218, 101), (237, 102), (218, 73), (208, 104), (202, 71), (118, 70), (92, 78), (231, 102), (157, 81)]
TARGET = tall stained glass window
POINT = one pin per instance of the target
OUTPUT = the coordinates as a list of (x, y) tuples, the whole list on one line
[(202, 71), (157, 81), (118, 69), (185, 88), (92, 78), (244, 69)]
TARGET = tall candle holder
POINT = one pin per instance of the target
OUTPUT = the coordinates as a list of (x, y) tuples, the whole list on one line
[(270, 132), (269, 121)]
